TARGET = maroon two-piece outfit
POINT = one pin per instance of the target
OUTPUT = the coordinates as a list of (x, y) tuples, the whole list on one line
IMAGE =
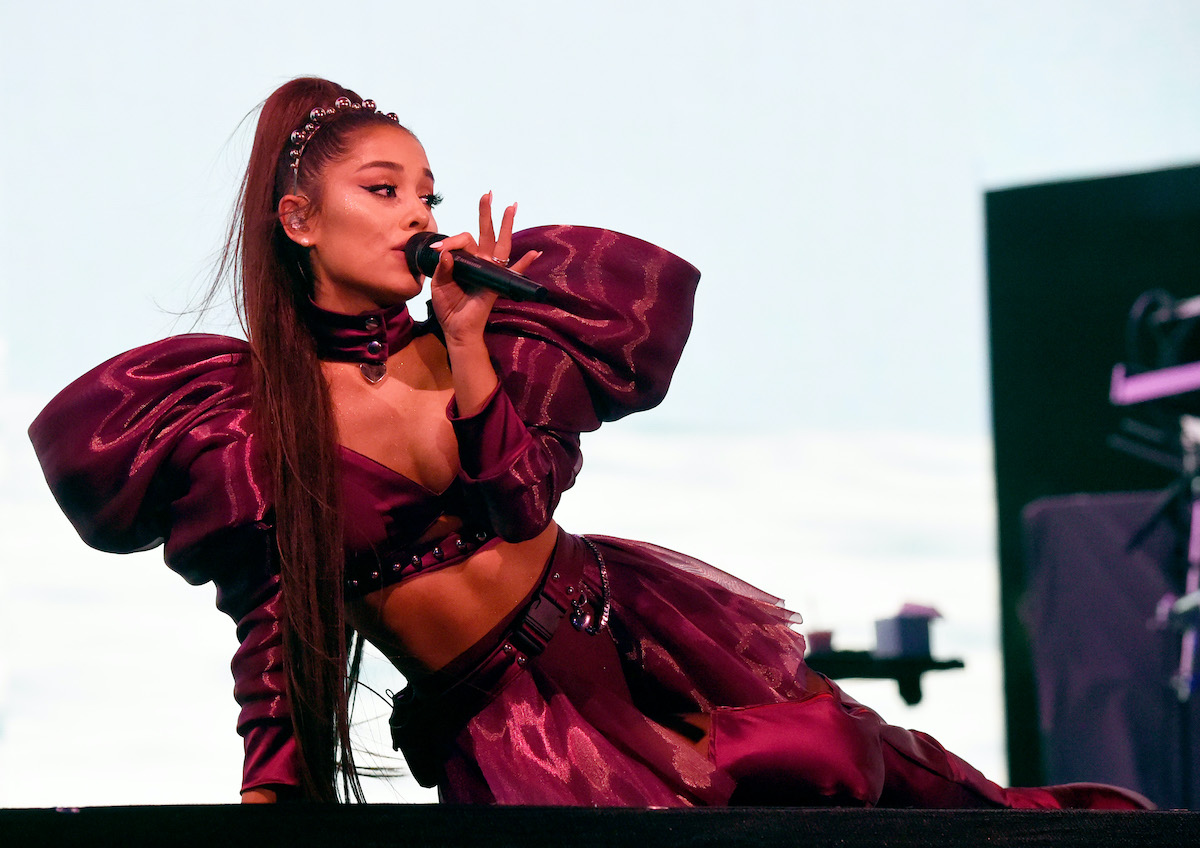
[(155, 446)]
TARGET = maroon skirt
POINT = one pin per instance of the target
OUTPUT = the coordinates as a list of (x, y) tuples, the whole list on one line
[(595, 719)]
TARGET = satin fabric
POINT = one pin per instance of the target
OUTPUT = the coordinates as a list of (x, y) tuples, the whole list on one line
[(156, 446), (686, 637)]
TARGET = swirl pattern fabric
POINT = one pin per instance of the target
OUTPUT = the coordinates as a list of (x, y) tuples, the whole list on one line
[(687, 638), (156, 445)]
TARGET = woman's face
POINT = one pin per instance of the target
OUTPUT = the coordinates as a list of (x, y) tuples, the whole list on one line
[(372, 200)]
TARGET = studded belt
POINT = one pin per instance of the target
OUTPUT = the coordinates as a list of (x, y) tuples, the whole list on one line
[(370, 572), (425, 717)]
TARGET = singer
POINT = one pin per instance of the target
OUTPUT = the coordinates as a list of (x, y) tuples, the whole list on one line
[(347, 470)]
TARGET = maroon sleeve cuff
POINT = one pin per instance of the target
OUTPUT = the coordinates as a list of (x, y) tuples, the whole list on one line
[(270, 756), (265, 722), (491, 440)]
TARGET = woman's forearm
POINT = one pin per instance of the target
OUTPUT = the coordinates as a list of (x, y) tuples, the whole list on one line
[(473, 374)]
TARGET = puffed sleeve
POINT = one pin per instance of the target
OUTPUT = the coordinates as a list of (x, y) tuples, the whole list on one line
[(153, 447), (603, 345)]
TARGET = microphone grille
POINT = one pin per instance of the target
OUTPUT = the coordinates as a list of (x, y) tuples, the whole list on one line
[(422, 259)]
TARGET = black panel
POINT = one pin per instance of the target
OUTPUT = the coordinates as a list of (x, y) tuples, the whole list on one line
[(389, 825), (1065, 263)]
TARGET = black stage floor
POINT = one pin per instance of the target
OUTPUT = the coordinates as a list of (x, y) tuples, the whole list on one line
[(419, 825)]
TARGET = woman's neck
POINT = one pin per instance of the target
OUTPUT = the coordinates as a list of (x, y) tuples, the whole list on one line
[(367, 338)]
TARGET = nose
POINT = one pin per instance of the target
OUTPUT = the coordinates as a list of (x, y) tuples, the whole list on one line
[(419, 216)]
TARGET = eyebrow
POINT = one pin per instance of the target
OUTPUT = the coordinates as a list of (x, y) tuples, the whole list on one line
[(395, 166)]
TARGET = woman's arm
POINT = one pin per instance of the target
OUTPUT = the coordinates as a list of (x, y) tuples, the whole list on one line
[(151, 446), (463, 314), (260, 795), (517, 471)]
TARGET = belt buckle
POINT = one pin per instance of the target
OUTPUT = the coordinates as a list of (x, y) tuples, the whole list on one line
[(537, 626)]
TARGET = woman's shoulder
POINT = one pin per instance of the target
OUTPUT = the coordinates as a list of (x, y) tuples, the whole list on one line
[(196, 364), (143, 445), (189, 351), (619, 309)]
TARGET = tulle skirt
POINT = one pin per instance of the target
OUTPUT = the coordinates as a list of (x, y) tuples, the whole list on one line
[(596, 719)]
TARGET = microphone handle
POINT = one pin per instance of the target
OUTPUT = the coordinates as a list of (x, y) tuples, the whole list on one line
[(472, 271), (488, 275)]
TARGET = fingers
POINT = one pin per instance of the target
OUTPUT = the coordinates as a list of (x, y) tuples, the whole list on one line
[(525, 261), (444, 273), (491, 245), (462, 241), (503, 246), (487, 234)]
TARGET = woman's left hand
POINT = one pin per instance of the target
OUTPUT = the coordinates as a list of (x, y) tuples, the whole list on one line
[(463, 313)]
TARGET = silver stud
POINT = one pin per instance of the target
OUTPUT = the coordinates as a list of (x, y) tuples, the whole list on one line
[(438, 554), (481, 536), (508, 648), (372, 323), (554, 576), (461, 544), (374, 575), (521, 660), (415, 561), (374, 347), (353, 584), (395, 566)]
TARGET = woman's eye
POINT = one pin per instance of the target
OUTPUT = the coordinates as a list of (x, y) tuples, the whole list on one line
[(431, 200), (383, 190)]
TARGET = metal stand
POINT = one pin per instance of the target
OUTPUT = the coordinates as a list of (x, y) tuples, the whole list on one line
[(906, 671), (1177, 613)]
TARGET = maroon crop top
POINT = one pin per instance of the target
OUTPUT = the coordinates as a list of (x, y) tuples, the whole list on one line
[(156, 446), (385, 513)]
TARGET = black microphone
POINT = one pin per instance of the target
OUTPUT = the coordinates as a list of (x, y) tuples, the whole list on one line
[(471, 270)]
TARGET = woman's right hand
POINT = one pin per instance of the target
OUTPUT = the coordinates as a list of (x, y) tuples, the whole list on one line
[(461, 313), (260, 795)]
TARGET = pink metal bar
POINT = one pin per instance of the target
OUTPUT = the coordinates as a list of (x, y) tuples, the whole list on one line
[(1163, 382)]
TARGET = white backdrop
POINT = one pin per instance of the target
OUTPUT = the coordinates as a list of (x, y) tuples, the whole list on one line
[(823, 164)]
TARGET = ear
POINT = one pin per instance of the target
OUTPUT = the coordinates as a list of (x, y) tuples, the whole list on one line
[(293, 213)]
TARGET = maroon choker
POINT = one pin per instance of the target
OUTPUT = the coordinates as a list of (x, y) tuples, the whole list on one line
[(368, 338)]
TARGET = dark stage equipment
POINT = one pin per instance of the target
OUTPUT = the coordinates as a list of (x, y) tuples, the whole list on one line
[(1065, 263), (497, 827)]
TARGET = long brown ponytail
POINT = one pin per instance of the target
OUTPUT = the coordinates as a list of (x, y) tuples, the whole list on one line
[(294, 424)]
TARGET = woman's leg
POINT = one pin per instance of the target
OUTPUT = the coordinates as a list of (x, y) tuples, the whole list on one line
[(828, 749)]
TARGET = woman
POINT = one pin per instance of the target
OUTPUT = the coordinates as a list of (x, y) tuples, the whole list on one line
[(348, 469)]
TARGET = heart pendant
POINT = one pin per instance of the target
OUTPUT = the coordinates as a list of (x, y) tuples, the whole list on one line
[(373, 371)]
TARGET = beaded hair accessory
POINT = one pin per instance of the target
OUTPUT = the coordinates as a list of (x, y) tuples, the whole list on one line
[(302, 136)]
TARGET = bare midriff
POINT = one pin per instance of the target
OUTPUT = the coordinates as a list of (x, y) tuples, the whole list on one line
[(422, 623)]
